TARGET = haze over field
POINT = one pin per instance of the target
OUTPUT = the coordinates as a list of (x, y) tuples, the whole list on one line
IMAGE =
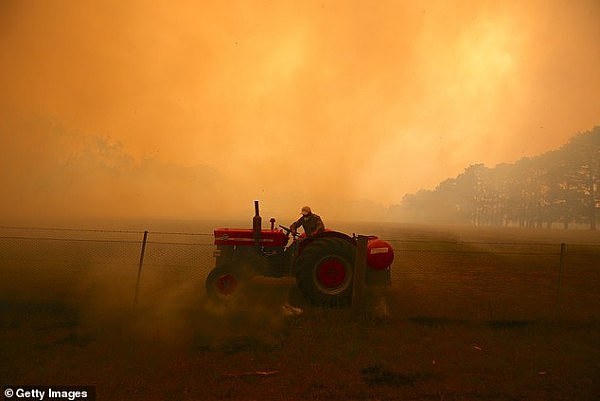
[(194, 110)]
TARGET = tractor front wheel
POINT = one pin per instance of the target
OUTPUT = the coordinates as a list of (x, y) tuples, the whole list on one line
[(224, 284)]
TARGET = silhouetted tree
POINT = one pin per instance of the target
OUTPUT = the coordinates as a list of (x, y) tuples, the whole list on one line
[(557, 186), (583, 168)]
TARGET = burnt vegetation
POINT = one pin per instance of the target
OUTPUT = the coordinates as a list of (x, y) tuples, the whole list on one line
[(559, 188)]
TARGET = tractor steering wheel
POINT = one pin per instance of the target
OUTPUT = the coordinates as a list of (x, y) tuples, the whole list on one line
[(288, 231)]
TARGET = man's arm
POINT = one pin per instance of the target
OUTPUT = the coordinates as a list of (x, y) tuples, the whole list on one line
[(296, 224), (320, 227)]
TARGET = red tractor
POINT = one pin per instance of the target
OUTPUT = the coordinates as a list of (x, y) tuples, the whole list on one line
[(323, 264)]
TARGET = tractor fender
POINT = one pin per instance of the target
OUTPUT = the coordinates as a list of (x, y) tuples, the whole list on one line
[(325, 234)]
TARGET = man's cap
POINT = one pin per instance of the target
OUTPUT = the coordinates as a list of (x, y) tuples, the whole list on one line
[(306, 210)]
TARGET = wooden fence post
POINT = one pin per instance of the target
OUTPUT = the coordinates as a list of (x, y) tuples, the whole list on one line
[(561, 268), (139, 275), (360, 269)]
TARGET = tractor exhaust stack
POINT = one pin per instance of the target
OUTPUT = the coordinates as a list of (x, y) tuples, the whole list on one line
[(256, 224)]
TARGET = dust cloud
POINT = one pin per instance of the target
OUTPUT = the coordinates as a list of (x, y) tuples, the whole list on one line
[(96, 302), (194, 110)]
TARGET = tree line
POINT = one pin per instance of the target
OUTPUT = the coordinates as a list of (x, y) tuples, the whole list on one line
[(560, 187)]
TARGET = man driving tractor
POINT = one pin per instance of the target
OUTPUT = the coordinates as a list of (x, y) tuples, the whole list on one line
[(310, 222), (323, 265)]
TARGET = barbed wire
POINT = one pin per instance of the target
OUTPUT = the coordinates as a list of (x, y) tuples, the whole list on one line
[(459, 243), (71, 239), (477, 252), (204, 234), (179, 243), (180, 233), (468, 242), (96, 230)]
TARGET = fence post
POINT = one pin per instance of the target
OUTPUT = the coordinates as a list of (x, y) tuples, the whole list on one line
[(360, 269), (561, 268), (139, 275)]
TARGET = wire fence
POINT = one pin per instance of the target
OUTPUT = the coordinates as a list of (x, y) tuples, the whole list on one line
[(431, 275)]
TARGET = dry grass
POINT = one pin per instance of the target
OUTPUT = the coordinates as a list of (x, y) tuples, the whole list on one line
[(467, 321)]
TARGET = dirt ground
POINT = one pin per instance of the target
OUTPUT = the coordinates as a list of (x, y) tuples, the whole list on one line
[(471, 315)]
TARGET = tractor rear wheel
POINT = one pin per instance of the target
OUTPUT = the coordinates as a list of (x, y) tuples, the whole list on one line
[(224, 283), (324, 272)]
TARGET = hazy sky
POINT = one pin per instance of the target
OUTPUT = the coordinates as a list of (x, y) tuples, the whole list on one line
[(288, 102)]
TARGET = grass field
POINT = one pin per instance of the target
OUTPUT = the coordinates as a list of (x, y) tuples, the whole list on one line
[(473, 314)]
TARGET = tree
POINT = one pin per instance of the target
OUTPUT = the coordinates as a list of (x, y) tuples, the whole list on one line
[(558, 186), (582, 166)]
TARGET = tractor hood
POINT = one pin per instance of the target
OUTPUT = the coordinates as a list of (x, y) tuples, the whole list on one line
[(245, 237)]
